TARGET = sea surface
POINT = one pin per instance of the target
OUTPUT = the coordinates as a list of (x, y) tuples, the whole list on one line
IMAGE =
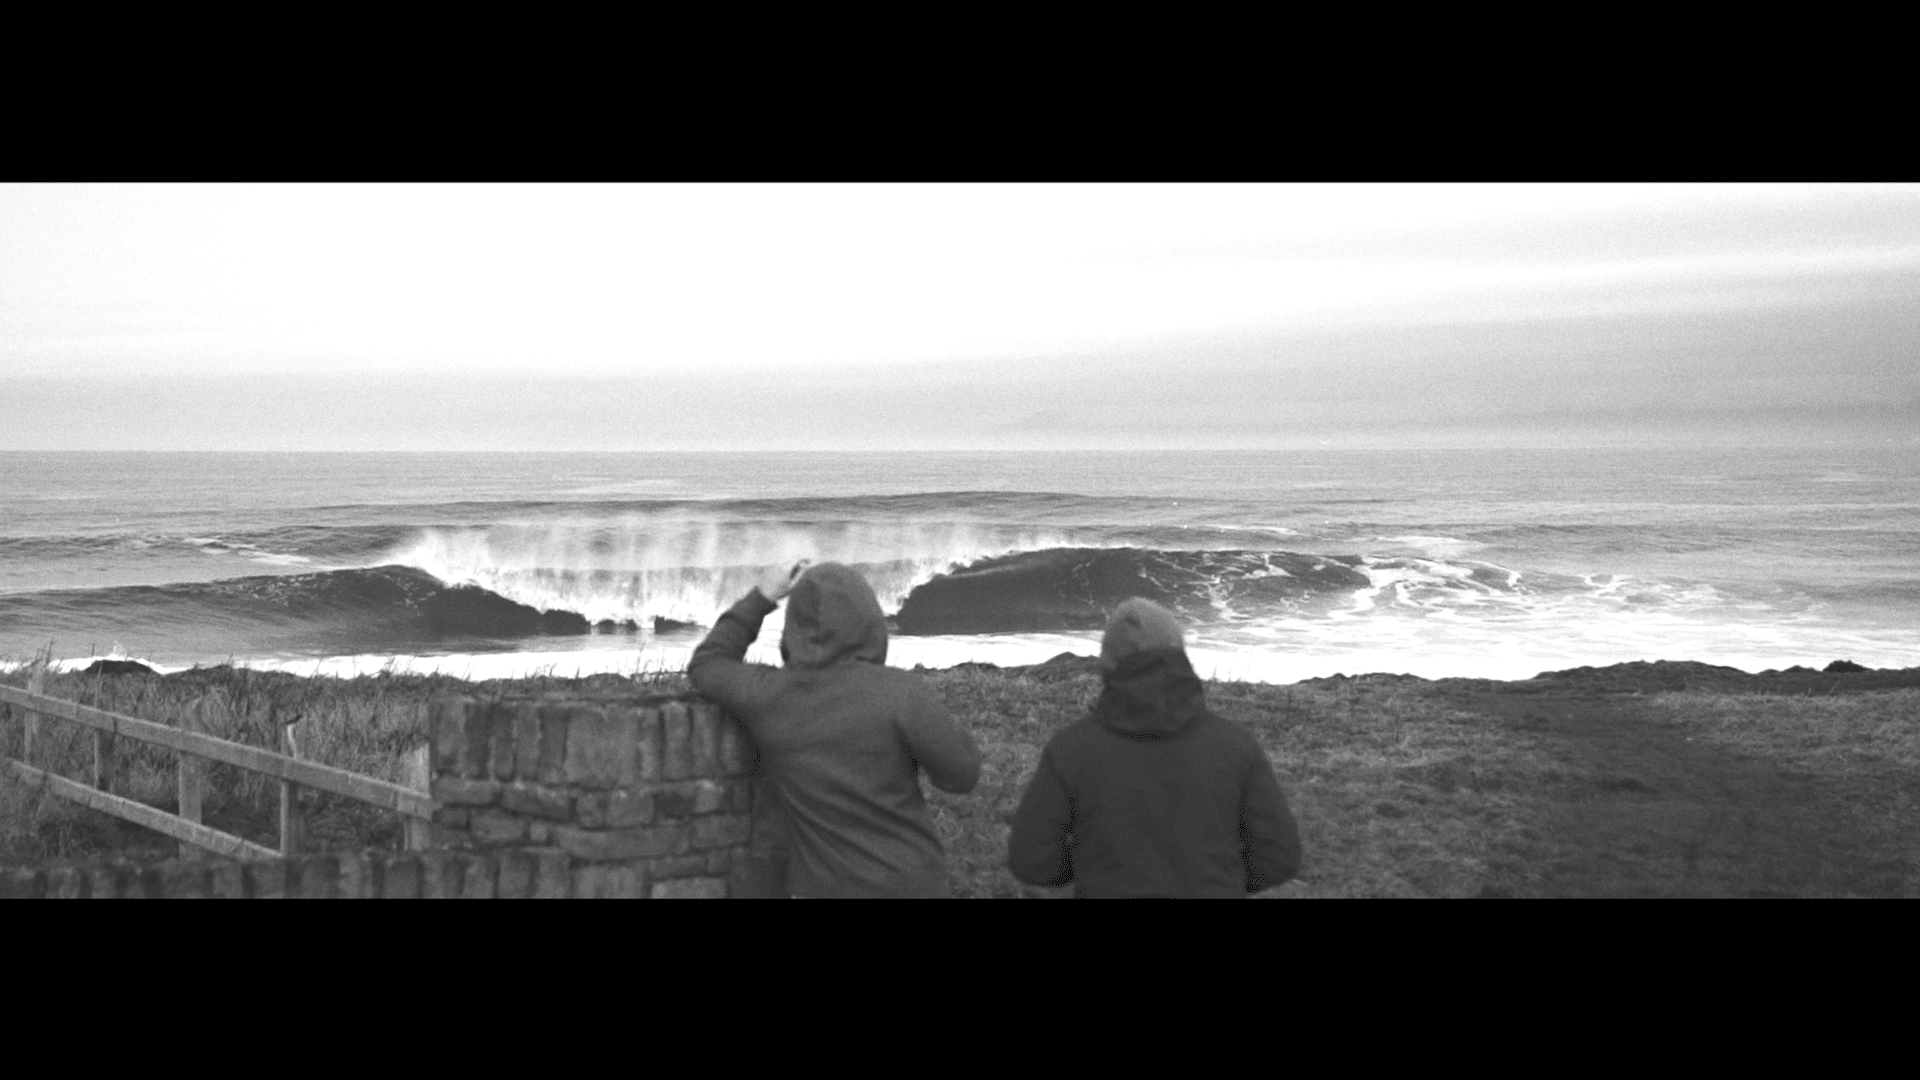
[(1283, 564)]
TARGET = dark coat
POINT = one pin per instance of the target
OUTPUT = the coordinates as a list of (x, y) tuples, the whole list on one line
[(842, 738), (1152, 795)]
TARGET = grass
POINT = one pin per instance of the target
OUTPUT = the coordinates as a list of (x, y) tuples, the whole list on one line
[(1397, 792), (1403, 788)]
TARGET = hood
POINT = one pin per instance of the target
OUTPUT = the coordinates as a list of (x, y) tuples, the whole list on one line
[(832, 615), (1153, 692), (1150, 687)]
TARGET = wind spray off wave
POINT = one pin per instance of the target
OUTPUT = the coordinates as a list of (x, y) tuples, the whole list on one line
[(689, 569)]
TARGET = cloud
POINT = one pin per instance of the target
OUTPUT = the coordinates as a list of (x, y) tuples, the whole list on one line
[(1781, 372), (710, 317), (647, 280)]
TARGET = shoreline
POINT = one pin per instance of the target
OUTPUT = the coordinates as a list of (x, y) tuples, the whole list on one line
[(1635, 676)]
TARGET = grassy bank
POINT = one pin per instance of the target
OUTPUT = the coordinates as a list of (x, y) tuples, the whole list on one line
[(1656, 780)]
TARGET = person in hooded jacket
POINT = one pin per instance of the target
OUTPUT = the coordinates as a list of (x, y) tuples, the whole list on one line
[(1151, 794), (843, 738)]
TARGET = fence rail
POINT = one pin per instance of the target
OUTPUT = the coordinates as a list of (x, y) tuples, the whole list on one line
[(195, 747)]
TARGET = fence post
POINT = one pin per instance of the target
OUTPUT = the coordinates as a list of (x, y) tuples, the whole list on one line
[(418, 774), (103, 761), (30, 732), (292, 826), (193, 771)]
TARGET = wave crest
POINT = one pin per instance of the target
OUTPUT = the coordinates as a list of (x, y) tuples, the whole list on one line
[(691, 570)]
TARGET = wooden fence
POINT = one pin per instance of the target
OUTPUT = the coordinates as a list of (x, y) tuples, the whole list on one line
[(195, 748)]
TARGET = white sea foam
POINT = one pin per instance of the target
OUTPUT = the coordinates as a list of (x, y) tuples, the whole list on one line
[(215, 546), (1435, 547), (689, 569), (1442, 645)]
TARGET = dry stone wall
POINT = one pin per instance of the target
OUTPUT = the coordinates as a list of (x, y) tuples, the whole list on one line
[(556, 796), (651, 797), (354, 875)]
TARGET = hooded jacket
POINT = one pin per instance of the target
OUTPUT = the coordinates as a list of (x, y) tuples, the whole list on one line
[(1151, 794), (843, 739)]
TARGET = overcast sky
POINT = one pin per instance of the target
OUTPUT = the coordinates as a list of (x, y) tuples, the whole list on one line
[(656, 317)]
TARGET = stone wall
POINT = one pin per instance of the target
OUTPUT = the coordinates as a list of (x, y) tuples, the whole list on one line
[(353, 875), (642, 796), (631, 796)]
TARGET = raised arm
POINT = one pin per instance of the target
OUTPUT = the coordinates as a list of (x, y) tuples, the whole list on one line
[(718, 668)]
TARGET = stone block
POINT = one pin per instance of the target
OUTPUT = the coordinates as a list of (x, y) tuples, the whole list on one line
[(534, 800), (515, 880), (23, 885), (477, 762), (676, 740), (721, 830), (440, 875), (495, 827), (552, 767), (741, 797), (540, 833), (227, 881), (67, 883), (440, 837), (524, 718), (553, 875), (502, 744), (720, 862), (737, 753), (319, 877), (447, 732), (450, 817), (675, 800), (356, 876), (401, 879), (647, 747), (610, 845), (709, 796), (267, 879), (482, 874), (453, 791), (706, 719), (679, 866), (614, 881), (621, 808), (601, 750), (699, 888)]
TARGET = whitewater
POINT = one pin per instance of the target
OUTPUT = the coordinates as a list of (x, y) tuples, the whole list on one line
[(1282, 564)]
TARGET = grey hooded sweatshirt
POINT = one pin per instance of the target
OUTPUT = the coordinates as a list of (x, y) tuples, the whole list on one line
[(842, 738)]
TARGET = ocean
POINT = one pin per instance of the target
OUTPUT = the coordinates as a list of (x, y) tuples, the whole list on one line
[(1283, 564)]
